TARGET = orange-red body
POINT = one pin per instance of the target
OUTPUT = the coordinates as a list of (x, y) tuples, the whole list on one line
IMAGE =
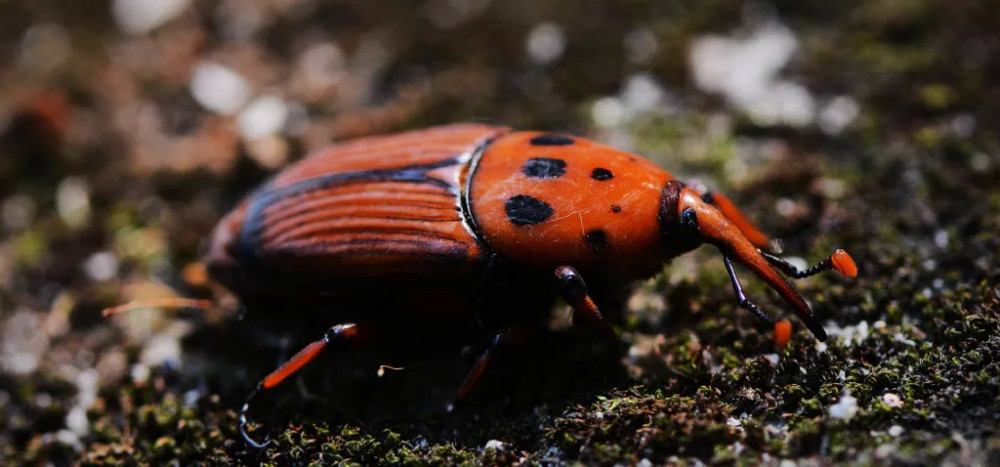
[(430, 230), (426, 210)]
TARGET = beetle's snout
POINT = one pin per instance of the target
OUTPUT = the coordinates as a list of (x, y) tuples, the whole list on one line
[(713, 226)]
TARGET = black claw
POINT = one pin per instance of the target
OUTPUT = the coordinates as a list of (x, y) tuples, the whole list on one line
[(817, 329), (250, 441), (244, 421)]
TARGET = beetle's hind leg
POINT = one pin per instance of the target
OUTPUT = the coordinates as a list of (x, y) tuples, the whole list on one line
[(574, 290), (511, 336), (340, 336)]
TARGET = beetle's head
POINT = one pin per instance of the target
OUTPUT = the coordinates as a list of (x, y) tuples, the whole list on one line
[(689, 219)]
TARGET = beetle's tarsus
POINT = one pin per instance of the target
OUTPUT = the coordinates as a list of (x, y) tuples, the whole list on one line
[(244, 421), (514, 335), (746, 304)]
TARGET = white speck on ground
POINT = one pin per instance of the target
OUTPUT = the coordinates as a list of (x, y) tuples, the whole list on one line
[(264, 117), (24, 342), (143, 16), (495, 445), (161, 348), (73, 201), (744, 69), (892, 400), (18, 211), (546, 43), (640, 45), (607, 112), (44, 47), (101, 266), (838, 114), (140, 373), (846, 408), (641, 93), (941, 238), (851, 335), (76, 420), (219, 89)]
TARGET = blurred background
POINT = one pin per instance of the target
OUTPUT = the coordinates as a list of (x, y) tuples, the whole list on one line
[(128, 127)]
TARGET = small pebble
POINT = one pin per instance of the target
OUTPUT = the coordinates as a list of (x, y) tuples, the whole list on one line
[(892, 400)]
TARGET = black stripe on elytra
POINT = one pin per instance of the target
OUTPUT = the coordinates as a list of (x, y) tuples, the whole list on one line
[(549, 139), (253, 223), (418, 238), (544, 167)]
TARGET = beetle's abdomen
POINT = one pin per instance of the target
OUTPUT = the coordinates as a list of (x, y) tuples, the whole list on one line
[(385, 210), (555, 200)]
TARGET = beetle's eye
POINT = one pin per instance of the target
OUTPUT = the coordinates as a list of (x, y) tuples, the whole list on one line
[(689, 220)]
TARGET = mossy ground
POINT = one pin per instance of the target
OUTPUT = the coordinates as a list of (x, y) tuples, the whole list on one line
[(908, 188)]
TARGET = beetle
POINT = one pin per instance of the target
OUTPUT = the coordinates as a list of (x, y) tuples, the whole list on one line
[(417, 230)]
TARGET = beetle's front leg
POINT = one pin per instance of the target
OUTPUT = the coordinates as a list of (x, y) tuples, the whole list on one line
[(572, 288)]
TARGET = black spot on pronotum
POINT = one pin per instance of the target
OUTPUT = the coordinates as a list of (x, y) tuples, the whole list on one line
[(544, 167), (526, 210), (616, 208), (601, 174), (597, 240), (551, 140)]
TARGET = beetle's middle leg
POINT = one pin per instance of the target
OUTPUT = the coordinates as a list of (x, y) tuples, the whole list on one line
[(572, 288), (510, 337), (341, 336)]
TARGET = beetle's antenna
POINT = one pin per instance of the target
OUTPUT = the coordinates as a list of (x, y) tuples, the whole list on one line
[(839, 261), (174, 303)]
